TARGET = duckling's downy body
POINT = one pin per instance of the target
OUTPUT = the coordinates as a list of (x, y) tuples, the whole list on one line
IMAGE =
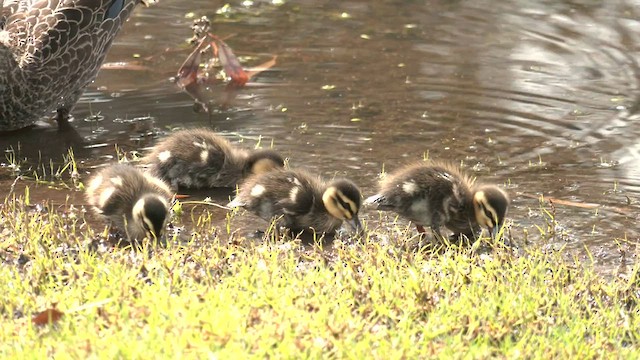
[(199, 158), (132, 200), (50, 51), (303, 201), (439, 194)]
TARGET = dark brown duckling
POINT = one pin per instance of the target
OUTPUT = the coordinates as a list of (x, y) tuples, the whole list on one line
[(436, 194), (303, 201), (133, 201), (200, 158)]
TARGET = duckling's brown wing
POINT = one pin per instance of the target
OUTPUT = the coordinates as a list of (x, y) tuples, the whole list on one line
[(292, 192), (193, 160), (420, 193), (301, 204)]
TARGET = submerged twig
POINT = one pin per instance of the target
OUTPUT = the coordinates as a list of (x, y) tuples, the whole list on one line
[(583, 205)]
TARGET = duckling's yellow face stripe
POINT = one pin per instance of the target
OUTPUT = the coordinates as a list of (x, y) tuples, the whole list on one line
[(485, 214), (138, 213), (339, 205), (148, 226)]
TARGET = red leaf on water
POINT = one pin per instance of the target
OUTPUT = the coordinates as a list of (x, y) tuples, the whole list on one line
[(48, 316), (198, 85), (188, 72), (230, 63)]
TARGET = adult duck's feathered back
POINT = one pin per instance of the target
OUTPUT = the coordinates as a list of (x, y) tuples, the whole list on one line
[(50, 50)]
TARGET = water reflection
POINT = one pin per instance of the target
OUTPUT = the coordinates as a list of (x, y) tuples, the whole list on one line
[(539, 96)]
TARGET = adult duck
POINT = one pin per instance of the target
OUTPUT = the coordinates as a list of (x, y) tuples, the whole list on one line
[(50, 50)]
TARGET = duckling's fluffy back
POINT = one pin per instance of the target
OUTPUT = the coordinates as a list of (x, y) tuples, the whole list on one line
[(197, 158), (429, 193), (294, 195)]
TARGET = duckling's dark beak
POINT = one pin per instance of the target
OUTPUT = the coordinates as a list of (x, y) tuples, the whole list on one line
[(152, 236), (355, 225), (495, 231)]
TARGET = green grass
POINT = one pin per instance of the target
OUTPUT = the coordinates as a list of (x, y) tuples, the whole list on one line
[(213, 297)]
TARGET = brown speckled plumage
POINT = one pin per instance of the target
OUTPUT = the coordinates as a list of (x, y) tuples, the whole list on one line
[(301, 199), (50, 50), (200, 158), (437, 194)]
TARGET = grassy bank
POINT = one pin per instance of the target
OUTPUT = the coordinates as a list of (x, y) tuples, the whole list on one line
[(216, 298)]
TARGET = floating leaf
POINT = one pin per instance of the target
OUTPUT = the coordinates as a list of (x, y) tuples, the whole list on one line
[(48, 316), (188, 72), (230, 63), (199, 84)]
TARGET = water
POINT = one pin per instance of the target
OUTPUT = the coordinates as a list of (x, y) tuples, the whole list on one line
[(541, 97)]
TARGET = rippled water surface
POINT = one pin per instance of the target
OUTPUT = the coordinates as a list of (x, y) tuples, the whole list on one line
[(541, 97)]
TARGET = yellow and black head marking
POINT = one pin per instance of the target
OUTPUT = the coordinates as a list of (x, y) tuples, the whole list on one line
[(342, 199), (134, 202), (490, 206), (151, 212)]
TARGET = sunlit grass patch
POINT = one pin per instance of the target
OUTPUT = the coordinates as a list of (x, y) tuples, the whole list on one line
[(376, 297), (63, 175)]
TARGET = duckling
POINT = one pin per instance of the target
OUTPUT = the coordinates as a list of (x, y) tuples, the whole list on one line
[(199, 158), (303, 201), (131, 200), (438, 194)]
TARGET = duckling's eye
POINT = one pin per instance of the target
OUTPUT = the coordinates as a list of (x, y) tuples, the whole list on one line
[(493, 218), (490, 223), (340, 206), (490, 217), (345, 205), (147, 225), (144, 223)]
